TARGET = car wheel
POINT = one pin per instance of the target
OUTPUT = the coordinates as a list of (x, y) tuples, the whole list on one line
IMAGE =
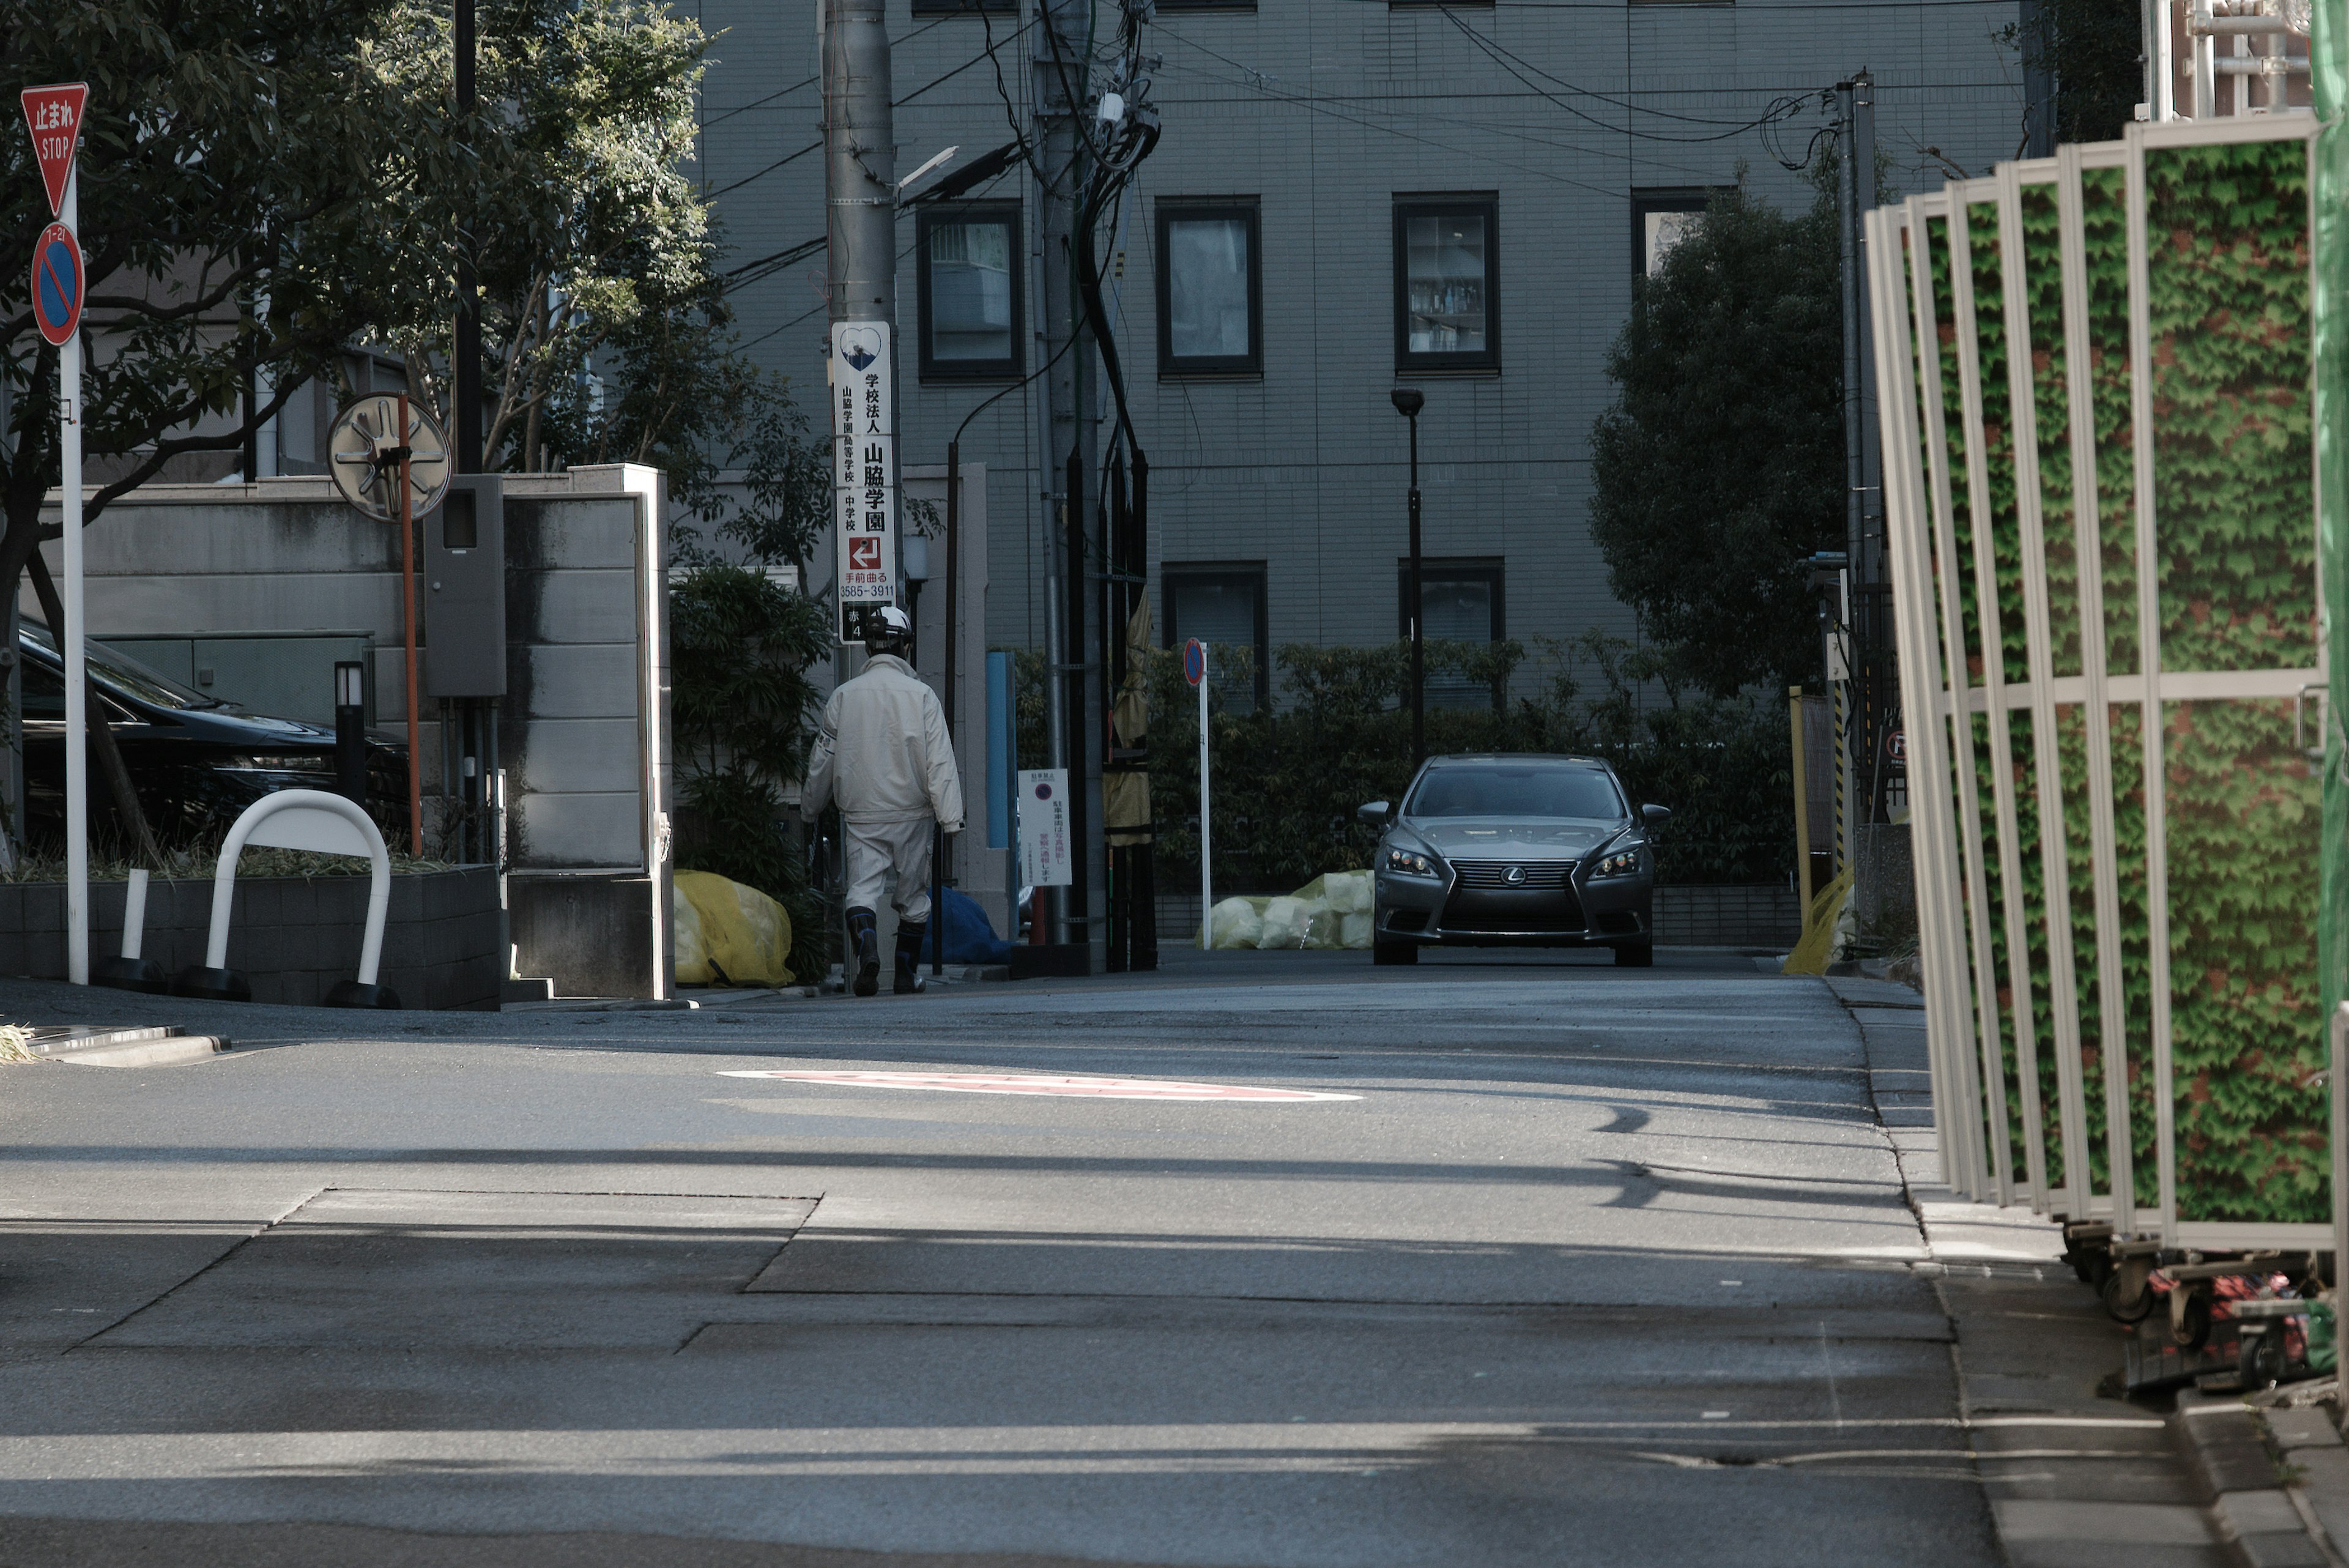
[(1394, 953), (1639, 955)]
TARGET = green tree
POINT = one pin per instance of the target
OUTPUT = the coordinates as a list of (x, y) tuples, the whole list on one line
[(2094, 50), (229, 159), (1719, 465)]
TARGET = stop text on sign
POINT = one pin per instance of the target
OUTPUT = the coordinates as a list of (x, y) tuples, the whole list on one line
[(1075, 1087)]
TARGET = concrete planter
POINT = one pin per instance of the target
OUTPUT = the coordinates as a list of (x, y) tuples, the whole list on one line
[(293, 937)]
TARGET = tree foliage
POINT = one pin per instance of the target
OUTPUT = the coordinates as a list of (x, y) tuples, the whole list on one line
[(2094, 50), (1720, 466), (740, 646), (232, 215)]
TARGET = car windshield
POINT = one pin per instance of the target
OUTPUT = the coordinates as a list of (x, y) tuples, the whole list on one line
[(122, 672), (1516, 789)]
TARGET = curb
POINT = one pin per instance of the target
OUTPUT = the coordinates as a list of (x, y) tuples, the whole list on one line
[(2262, 1508), (164, 1046)]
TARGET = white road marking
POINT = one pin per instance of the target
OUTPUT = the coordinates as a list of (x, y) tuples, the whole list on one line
[(1068, 1085)]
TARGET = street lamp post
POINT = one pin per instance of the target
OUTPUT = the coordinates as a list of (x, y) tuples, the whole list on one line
[(1408, 400)]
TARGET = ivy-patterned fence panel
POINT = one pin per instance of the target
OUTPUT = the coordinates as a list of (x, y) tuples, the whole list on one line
[(2219, 270), (2118, 918)]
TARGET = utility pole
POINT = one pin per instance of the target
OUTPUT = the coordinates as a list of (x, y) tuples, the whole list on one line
[(860, 174), (1868, 678), (465, 350), (1074, 704)]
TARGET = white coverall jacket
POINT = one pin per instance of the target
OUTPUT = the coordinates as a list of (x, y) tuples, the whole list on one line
[(884, 753)]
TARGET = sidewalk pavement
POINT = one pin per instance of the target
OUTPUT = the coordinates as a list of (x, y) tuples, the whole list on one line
[(2076, 1476)]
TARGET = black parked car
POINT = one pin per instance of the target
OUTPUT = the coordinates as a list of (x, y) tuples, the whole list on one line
[(1514, 851), (195, 761)]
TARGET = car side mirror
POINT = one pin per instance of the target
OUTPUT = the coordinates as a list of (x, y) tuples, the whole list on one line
[(1372, 815), (1657, 815)]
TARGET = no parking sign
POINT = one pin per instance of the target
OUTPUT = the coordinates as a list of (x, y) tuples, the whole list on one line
[(58, 284)]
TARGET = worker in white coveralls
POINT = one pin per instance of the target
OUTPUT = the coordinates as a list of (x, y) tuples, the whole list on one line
[(884, 753)]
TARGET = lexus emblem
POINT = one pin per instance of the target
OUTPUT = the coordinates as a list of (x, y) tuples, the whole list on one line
[(1515, 875)]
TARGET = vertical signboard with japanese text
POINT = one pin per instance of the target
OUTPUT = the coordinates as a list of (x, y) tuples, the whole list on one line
[(864, 470), (1044, 860)]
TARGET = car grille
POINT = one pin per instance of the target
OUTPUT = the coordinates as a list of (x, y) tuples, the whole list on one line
[(1540, 876), (1554, 910)]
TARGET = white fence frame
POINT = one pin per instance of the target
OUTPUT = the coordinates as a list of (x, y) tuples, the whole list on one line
[(1953, 861)]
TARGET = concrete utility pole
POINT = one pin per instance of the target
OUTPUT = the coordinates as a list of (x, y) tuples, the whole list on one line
[(860, 164), (1073, 705), (1868, 697)]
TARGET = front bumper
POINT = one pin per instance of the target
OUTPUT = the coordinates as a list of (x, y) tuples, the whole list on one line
[(1600, 912)]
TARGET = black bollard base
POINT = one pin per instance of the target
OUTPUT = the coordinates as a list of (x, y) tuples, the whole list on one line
[(130, 974), (351, 994), (212, 984)]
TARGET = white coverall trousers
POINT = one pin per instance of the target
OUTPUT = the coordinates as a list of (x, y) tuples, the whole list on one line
[(876, 849)]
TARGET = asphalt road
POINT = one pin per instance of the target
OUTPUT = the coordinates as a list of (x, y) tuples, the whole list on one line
[(1590, 1266)]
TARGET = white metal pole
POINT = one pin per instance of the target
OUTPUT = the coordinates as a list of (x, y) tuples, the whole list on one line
[(69, 637), (1206, 874)]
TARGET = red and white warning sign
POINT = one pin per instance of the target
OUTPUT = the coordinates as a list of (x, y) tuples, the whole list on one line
[(53, 114), (1075, 1086)]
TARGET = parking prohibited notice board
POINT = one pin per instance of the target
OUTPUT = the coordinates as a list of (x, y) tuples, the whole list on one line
[(1045, 827)]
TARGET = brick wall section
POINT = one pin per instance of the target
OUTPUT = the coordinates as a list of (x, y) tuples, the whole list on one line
[(292, 937)]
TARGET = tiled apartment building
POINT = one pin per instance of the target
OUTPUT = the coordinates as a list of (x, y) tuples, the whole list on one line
[(1348, 194)]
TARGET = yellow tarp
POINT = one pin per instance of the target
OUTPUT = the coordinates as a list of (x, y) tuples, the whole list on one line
[(1817, 949), (728, 934)]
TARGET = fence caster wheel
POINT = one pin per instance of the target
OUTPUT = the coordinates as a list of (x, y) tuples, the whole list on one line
[(2190, 1316), (2127, 1295), (2261, 1362)]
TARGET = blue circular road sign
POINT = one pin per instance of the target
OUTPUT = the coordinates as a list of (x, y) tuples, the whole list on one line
[(56, 283), (1195, 661)]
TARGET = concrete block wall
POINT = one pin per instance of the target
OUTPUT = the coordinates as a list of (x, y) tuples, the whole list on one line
[(292, 937)]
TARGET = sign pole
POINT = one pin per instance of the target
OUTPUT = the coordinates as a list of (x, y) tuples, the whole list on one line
[(1207, 869), (69, 640), (407, 629)]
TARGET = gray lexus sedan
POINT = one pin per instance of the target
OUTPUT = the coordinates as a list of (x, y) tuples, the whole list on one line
[(1514, 851)]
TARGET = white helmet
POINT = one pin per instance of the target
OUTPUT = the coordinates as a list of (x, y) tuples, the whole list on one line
[(889, 630)]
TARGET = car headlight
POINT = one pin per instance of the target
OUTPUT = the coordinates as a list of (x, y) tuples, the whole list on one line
[(1621, 864), (1409, 864)]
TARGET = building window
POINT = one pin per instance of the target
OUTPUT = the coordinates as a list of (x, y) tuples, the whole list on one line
[(1659, 219), (1210, 290), (1221, 604), (970, 276), (1461, 601), (1447, 284)]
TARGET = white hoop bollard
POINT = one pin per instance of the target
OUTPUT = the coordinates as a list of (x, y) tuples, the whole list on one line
[(131, 971), (324, 824)]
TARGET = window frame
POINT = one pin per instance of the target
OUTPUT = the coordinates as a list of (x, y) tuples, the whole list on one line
[(1253, 574), (1170, 211), (1014, 219), (1664, 199), (1486, 205), (966, 7), (1491, 570)]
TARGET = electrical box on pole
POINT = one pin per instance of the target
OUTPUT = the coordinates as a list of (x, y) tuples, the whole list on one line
[(465, 589)]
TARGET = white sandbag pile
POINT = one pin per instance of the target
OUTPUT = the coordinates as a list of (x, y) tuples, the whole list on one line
[(1331, 911)]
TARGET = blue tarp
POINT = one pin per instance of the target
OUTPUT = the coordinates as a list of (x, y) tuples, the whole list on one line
[(963, 925)]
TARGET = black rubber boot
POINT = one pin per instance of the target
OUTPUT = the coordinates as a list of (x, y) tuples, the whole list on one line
[(868, 950), (908, 978)]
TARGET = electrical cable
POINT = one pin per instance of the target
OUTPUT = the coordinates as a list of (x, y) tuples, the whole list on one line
[(1779, 108), (817, 145), (811, 81)]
